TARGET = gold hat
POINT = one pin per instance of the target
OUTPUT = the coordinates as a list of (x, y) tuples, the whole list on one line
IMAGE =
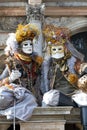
[(56, 35), (26, 32)]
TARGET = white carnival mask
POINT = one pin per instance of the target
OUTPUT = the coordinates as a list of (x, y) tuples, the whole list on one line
[(57, 51), (27, 47)]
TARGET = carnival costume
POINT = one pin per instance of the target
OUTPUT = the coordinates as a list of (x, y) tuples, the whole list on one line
[(62, 57), (18, 81)]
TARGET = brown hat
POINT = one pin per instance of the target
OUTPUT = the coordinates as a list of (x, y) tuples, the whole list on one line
[(56, 35)]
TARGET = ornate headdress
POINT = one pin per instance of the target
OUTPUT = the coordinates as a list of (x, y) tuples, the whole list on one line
[(56, 35), (26, 32)]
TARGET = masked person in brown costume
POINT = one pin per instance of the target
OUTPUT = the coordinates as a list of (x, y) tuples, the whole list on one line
[(60, 77)]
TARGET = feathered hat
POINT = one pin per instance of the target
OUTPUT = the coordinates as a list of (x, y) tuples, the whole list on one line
[(56, 35), (23, 32), (26, 32)]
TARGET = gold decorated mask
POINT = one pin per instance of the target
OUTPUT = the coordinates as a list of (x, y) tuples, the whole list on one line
[(57, 51)]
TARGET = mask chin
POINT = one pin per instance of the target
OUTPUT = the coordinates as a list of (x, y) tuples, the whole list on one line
[(27, 50), (57, 56)]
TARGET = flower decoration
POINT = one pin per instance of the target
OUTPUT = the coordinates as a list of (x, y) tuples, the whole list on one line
[(56, 35), (26, 32), (72, 78)]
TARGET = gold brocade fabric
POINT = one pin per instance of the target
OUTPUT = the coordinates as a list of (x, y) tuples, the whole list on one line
[(26, 32), (29, 59), (23, 57)]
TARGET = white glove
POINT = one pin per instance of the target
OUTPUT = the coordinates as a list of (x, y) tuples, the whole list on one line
[(50, 98), (15, 74)]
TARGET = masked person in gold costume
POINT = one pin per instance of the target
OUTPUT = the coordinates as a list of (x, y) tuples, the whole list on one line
[(20, 80)]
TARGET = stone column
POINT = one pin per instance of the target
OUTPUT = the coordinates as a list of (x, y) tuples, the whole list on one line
[(35, 15), (49, 125)]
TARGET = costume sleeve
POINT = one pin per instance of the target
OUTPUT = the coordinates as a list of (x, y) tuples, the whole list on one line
[(71, 63), (4, 74)]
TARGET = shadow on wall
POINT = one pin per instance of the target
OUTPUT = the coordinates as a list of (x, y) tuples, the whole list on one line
[(79, 41), (72, 127), (17, 127)]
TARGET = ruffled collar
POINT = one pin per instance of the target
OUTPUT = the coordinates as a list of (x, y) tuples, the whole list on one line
[(23, 57), (29, 58)]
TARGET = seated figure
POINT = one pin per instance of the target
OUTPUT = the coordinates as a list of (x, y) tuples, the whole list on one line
[(20, 81)]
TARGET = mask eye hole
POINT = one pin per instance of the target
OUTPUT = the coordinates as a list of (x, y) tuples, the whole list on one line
[(59, 49), (25, 44), (54, 49), (30, 44)]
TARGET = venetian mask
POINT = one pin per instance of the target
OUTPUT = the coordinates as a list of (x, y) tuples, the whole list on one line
[(27, 47), (57, 51)]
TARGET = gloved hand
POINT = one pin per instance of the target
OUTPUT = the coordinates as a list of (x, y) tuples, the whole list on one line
[(51, 98), (80, 98), (15, 74)]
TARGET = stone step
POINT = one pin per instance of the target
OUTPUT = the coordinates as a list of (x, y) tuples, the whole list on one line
[(48, 118)]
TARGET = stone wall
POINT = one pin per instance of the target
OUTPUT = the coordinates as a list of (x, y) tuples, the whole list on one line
[(9, 23), (13, 1)]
